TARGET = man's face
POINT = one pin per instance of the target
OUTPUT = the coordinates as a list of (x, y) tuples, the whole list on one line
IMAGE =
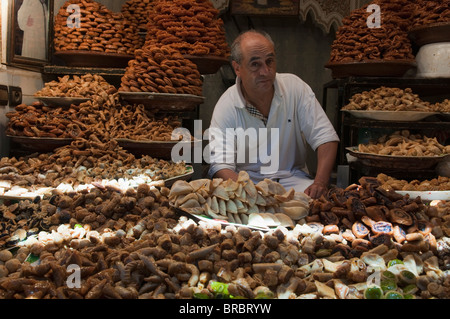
[(257, 69)]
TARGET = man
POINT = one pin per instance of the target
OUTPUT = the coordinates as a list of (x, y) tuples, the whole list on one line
[(265, 100)]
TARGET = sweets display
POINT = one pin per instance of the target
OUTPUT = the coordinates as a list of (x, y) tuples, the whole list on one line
[(100, 30), (443, 106), (441, 183), (263, 205), (356, 42), (135, 123), (191, 27), (131, 245), (137, 12), (375, 215), (388, 99), (103, 115), (86, 85), (38, 120), (161, 70), (403, 143), (84, 161), (430, 12), (130, 121)]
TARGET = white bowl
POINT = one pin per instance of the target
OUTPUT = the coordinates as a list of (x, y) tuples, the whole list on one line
[(433, 60)]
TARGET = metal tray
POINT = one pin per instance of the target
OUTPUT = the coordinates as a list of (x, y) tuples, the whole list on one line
[(430, 33), (406, 163), (427, 195), (79, 58), (163, 101), (223, 223), (32, 195), (40, 144), (61, 101), (446, 115), (402, 116), (185, 177), (154, 149), (395, 68)]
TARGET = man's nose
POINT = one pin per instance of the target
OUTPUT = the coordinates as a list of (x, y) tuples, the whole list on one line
[(265, 69)]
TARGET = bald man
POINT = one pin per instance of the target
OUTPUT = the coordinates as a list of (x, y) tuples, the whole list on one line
[(263, 123)]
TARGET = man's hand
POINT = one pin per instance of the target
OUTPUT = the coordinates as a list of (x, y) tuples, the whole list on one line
[(316, 190), (226, 174), (326, 156)]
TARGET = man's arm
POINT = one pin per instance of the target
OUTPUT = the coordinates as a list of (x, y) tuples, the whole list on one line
[(326, 157)]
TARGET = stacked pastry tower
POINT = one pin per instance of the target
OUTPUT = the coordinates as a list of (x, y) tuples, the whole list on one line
[(100, 30), (137, 12), (192, 27), (356, 42), (161, 70)]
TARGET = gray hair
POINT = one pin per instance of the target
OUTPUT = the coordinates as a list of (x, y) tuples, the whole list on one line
[(236, 52)]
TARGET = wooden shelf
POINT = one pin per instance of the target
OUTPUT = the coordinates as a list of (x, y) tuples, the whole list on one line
[(57, 70), (423, 125), (422, 86)]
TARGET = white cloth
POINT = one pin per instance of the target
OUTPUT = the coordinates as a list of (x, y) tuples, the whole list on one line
[(297, 115), (32, 20)]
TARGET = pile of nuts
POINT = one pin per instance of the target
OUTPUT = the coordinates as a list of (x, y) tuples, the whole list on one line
[(161, 70), (430, 12), (356, 42), (100, 31), (192, 27), (388, 99), (403, 143)]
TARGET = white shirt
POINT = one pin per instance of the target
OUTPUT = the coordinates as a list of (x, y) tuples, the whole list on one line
[(295, 113)]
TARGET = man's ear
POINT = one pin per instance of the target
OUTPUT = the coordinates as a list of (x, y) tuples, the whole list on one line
[(236, 67)]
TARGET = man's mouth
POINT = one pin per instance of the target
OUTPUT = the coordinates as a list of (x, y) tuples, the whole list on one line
[(263, 80)]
